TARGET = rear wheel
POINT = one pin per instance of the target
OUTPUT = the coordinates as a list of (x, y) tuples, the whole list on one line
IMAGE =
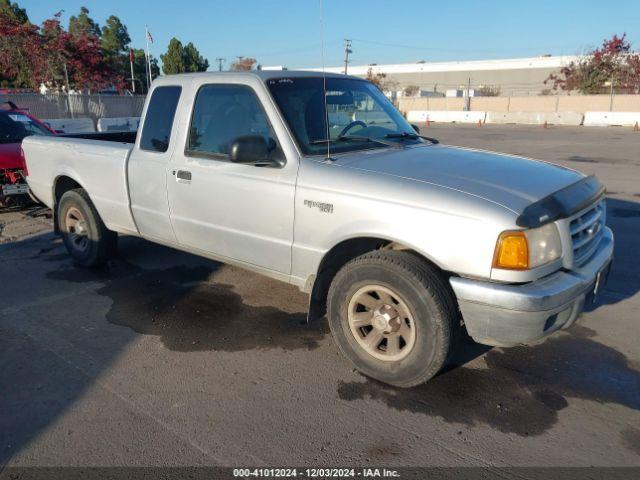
[(84, 234), (393, 316)]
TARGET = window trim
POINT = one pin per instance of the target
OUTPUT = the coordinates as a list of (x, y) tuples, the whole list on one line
[(224, 157), (171, 131)]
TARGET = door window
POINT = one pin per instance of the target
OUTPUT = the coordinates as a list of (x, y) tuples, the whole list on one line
[(221, 114), (158, 121)]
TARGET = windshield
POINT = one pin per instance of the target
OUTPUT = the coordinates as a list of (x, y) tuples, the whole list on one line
[(15, 126), (359, 115)]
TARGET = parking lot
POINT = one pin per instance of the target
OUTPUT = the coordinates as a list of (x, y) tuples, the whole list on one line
[(165, 359)]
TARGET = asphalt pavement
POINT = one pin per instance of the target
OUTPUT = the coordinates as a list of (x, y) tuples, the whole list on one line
[(165, 359)]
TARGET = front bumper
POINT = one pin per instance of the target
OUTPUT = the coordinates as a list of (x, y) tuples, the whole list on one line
[(507, 315)]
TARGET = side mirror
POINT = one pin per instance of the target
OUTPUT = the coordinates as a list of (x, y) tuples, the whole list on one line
[(416, 128), (251, 149)]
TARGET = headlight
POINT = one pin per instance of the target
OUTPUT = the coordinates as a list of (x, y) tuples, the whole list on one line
[(526, 249)]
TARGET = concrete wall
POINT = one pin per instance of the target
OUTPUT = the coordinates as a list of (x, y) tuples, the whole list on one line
[(535, 118), (71, 125), (621, 119), (551, 103)]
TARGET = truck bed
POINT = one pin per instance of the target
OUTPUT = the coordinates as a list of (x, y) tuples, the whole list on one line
[(98, 166)]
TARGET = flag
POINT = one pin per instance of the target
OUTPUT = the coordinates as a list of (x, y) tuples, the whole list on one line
[(149, 36), (131, 55)]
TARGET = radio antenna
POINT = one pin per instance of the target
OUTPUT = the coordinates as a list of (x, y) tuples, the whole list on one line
[(324, 82)]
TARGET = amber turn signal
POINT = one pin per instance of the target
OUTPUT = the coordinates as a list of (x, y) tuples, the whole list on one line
[(512, 251)]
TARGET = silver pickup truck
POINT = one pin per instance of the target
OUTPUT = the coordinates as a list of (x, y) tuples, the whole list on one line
[(320, 182)]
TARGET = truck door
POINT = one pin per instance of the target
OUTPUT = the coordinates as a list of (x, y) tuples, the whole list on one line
[(230, 210), (148, 165)]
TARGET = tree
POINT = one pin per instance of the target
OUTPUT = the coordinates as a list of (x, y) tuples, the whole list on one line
[(489, 91), (612, 67), (140, 69), (83, 24), (194, 62), (115, 38), (179, 59), (13, 11), (411, 90), (76, 58), (30, 56), (380, 80), (244, 64), (21, 54), (114, 43), (173, 60)]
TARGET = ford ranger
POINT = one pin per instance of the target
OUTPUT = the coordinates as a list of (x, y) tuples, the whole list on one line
[(317, 180)]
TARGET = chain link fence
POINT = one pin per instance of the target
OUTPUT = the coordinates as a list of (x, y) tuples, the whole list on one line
[(54, 105)]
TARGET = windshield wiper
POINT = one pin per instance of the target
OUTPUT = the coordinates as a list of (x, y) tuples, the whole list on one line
[(354, 138), (411, 136)]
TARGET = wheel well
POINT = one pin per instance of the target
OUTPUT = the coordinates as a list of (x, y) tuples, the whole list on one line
[(63, 184), (335, 258)]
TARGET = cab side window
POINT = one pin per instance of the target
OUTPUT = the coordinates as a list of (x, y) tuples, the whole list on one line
[(156, 131), (221, 114)]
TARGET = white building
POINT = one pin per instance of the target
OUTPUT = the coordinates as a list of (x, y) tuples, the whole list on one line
[(515, 76)]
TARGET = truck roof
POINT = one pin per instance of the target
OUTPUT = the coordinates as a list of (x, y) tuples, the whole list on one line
[(261, 74)]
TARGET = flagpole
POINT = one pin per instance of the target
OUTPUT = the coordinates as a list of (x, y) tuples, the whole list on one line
[(146, 29), (133, 81)]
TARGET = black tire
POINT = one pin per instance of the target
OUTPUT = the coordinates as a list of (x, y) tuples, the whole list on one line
[(101, 243), (431, 303)]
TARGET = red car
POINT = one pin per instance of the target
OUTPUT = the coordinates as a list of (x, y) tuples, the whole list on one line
[(16, 124)]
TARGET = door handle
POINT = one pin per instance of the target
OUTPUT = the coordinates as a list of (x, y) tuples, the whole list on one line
[(183, 175)]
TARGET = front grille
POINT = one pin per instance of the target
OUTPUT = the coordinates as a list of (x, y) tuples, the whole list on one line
[(586, 232)]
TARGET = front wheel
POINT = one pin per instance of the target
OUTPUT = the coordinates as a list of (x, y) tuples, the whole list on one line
[(85, 236), (393, 316)]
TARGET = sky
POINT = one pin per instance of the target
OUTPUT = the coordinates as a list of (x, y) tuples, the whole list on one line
[(290, 33)]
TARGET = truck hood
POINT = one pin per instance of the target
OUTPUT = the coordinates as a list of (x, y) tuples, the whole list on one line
[(10, 156), (511, 181)]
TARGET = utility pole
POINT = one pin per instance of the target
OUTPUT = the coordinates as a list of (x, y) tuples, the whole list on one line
[(220, 61), (347, 51)]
